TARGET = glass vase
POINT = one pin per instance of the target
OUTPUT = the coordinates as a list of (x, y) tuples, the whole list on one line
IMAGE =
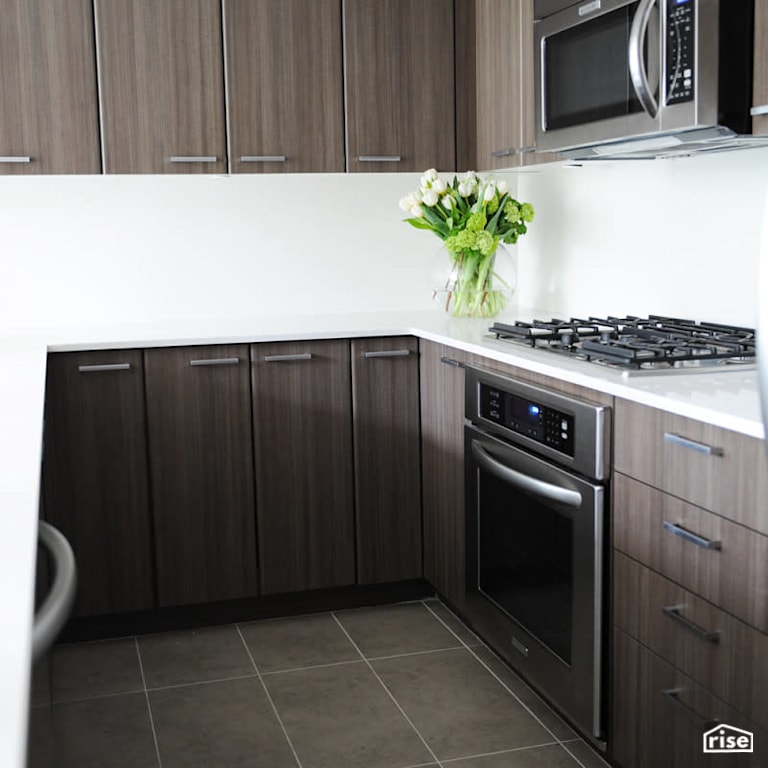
[(468, 284)]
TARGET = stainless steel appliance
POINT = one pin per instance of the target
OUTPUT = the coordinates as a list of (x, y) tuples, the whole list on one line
[(640, 344), (537, 469), (618, 78)]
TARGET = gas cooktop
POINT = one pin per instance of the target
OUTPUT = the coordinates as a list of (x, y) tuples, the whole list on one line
[(639, 344)]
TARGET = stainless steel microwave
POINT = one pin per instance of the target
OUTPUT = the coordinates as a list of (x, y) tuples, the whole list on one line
[(642, 77)]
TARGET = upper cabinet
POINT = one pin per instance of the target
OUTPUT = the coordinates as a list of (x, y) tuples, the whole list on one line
[(760, 90), (399, 77), (161, 68), (49, 121), (285, 89)]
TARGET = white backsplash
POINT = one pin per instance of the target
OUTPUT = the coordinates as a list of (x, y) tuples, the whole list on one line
[(674, 236)]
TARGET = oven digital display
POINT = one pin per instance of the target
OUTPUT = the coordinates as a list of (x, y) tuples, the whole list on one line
[(524, 417)]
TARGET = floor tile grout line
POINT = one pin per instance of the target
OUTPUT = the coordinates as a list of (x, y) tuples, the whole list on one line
[(389, 693), (500, 681), (149, 705), (93, 696), (513, 750), (330, 664), (269, 698)]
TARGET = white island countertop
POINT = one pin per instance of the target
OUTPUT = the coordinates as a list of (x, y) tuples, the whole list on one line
[(729, 400)]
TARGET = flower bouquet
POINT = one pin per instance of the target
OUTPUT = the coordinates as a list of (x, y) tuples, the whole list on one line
[(472, 216)]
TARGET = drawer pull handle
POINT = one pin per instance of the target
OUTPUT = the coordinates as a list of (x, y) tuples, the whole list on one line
[(15, 159), (216, 361), (684, 442), (759, 110), (699, 541), (673, 611), (379, 158), (262, 159), (451, 361), (673, 696), (106, 367), (287, 358), (194, 159), (389, 353), (503, 152)]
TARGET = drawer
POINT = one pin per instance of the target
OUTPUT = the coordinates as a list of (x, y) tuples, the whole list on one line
[(724, 655), (733, 576), (714, 468), (660, 715)]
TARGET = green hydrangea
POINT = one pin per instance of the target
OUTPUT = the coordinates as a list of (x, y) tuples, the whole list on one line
[(526, 212), (492, 206), (461, 241), (486, 243), (476, 222), (512, 212)]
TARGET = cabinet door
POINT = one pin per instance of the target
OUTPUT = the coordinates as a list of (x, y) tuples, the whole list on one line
[(201, 454), (399, 74), (49, 121), (95, 476), (302, 422), (760, 83), (162, 86), (385, 402), (442, 452), (285, 85)]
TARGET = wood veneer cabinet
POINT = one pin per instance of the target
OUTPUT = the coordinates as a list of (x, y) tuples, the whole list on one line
[(690, 601), (442, 457), (760, 83), (399, 80), (201, 463), (95, 480), (385, 404), (284, 78), (49, 122), (302, 426), (161, 70)]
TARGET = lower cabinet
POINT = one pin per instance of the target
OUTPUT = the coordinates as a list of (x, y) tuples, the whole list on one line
[(302, 426), (385, 404), (201, 466), (95, 483), (442, 452)]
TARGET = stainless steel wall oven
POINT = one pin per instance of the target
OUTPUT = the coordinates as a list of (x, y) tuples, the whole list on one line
[(537, 471)]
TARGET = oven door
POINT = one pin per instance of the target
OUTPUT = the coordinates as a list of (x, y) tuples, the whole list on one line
[(597, 68), (535, 572)]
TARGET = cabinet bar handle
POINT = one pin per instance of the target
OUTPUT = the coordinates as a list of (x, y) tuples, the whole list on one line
[(379, 158), (699, 541), (760, 110), (526, 150), (262, 158), (673, 695), (106, 367), (216, 361), (194, 159), (710, 635), (503, 152), (684, 442), (389, 353), (451, 361), (15, 159), (287, 358)]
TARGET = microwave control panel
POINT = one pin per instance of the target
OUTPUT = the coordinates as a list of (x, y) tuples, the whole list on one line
[(525, 417), (681, 50)]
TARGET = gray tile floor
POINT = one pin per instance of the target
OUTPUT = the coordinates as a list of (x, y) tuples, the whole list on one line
[(401, 686)]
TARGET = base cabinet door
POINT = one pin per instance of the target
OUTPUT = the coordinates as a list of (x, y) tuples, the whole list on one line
[(201, 463), (95, 483), (302, 424), (442, 450), (385, 398)]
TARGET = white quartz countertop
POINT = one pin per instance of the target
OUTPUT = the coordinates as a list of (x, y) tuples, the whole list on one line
[(729, 400)]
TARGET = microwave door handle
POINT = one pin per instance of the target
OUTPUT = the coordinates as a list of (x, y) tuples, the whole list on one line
[(637, 70), (529, 484)]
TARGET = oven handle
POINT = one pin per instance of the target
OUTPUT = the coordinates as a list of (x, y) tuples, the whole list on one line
[(530, 484)]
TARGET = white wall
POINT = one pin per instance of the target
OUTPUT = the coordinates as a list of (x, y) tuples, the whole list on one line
[(678, 237)]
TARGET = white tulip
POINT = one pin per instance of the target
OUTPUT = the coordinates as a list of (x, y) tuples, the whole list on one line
[(417, 211), (465, 188), (439, 186), (430, 198), (502, 187), (490, 192), (406, 203), (431, 175), (448, 203)]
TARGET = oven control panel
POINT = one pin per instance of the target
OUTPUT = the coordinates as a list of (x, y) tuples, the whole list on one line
[(526, 417)]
